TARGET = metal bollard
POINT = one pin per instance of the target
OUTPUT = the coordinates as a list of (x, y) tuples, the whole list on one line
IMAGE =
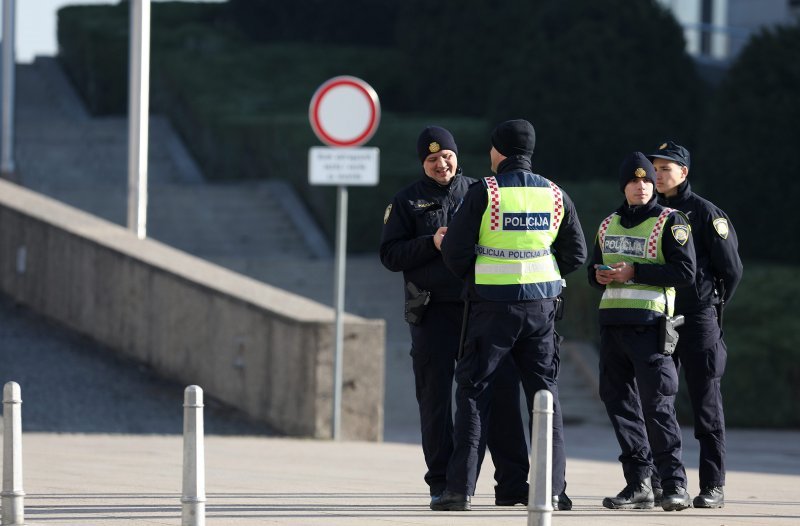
[(13, 497), (540, 496), (194, 470)]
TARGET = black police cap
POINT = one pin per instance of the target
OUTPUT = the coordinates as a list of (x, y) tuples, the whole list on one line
[(672, 152)]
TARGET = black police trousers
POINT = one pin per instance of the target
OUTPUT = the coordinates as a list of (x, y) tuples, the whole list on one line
[(638, 385), (434, 351), (702, 353), (496, 331)]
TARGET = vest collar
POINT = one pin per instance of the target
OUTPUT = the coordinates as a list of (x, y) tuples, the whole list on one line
[(633, 215)]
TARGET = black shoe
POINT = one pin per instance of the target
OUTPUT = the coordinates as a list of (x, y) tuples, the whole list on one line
[(712, 497), (637, 496), (435, 498), (511, 501), (675, 499), (450, 501), (658, 494), (562, 502)]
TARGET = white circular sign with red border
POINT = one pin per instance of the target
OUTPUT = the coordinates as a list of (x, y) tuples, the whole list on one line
[(344, 112)]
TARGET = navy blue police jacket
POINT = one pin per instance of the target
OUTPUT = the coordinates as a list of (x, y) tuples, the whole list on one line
[(569, 246), (678, 271), (719, 267), (410, 221)]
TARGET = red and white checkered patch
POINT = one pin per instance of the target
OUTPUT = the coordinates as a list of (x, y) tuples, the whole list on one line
[(558, 206), (652, 241), (494, 203), (601, 234)]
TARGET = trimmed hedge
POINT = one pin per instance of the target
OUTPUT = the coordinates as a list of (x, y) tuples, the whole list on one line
[(242, 108), (597, 79), (751, 137), (355, 22)]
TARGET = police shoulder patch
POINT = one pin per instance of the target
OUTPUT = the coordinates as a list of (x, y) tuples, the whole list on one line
[(387, 213), (721, 226), (681, 234)]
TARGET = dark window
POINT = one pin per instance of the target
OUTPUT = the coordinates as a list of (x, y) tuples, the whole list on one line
[(706, 21)]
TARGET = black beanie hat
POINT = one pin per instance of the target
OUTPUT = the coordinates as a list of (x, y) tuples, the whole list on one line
[(515, 137), (636, 166), (434, 139)]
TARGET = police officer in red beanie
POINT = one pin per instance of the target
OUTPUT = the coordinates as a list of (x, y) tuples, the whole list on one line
[(701, 349), (641, 253), (512, 240), (414, 225)]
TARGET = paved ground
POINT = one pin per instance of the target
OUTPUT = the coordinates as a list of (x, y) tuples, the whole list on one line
[(108, 480), (101, 439)]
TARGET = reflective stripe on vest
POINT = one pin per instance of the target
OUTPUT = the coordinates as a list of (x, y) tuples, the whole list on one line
[(521, 220), (639, 244)]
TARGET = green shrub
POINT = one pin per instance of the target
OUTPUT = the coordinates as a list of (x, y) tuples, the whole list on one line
[(751, 137), (763, 338), (597, 79), (350, 22), (93, 47)]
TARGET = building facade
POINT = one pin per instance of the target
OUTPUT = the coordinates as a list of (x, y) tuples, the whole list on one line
[(717, 30)]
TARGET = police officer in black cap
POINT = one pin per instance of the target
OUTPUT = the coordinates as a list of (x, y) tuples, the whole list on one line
[(512, 240), (642, 252), (414, 225), (701, 350)]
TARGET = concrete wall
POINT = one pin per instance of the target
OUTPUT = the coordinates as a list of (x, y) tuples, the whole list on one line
[(246, 343)]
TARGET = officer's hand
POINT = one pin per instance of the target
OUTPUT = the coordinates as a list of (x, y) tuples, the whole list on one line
[(439, 236), (622, 272), (603, 277)]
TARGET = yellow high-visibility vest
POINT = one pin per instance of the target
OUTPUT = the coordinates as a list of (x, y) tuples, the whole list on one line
[(639, 244), (520, 223)]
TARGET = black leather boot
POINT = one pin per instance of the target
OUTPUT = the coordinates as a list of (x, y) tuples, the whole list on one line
[(450, 501), (562, 502), (712, 497), (638, 496), (675, 499)]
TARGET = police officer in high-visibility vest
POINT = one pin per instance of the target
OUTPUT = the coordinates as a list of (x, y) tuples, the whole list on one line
[(642, 252), (701, 350), (512, 240)]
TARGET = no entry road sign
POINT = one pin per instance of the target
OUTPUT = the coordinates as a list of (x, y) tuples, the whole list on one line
[(344, 112)]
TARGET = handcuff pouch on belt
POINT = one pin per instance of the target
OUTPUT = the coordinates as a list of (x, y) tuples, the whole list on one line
[(668, 334), (417, 302)]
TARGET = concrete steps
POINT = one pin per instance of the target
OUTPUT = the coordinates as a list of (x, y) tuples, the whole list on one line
[(82, 161)]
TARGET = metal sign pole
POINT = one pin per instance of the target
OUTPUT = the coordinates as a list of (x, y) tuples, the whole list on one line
[(338, 298), (344, 113), (138, 108), (7, 167)]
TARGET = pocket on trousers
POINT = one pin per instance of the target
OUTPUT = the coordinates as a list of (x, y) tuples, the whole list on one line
[(667, 375), (606, 388), (717, 360)]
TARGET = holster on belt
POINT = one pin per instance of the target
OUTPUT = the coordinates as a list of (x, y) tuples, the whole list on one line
[(668, 334), (416, 304)]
